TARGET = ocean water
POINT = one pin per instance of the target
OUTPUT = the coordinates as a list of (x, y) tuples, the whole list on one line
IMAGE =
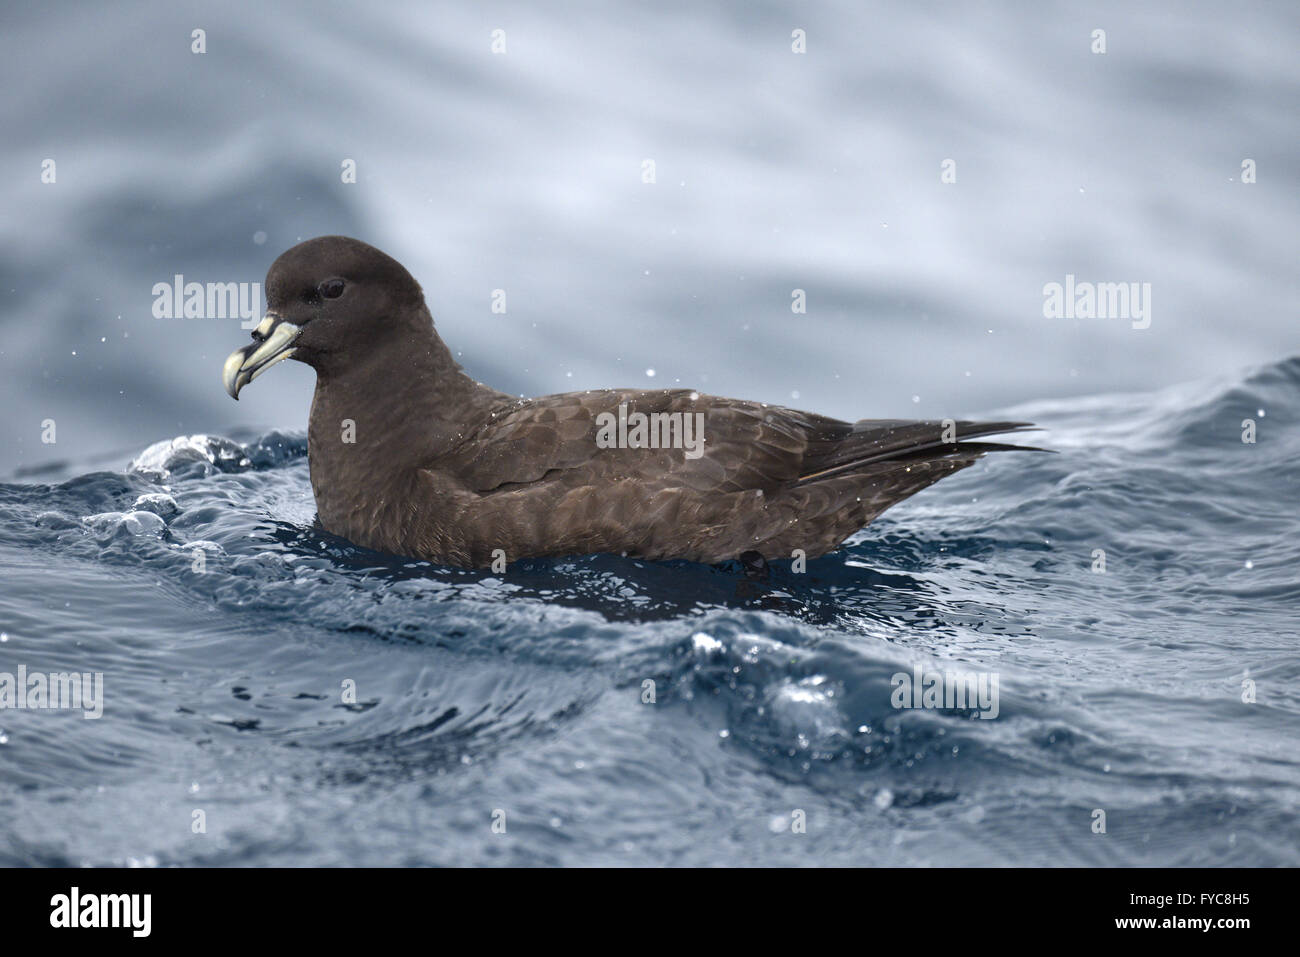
[(523, 696), (520, 696)]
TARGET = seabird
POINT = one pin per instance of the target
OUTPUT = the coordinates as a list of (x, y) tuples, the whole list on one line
[(409, 455)]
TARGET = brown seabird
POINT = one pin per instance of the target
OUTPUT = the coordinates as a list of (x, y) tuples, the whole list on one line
[(410, 455)]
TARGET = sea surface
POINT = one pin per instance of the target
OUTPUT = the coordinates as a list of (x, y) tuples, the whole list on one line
[(273, 695), (612, 711)]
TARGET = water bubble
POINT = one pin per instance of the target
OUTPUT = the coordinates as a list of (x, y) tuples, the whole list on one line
[(161, 504)]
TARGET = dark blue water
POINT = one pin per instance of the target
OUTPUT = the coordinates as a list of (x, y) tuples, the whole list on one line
[(522, 692)]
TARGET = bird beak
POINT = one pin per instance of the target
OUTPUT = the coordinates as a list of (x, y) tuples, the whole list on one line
[(273, 341)]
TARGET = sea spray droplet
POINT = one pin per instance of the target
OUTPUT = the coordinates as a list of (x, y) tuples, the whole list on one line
[(705, 644)]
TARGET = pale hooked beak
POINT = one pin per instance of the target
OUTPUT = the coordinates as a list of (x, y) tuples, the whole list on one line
[(274, 340)]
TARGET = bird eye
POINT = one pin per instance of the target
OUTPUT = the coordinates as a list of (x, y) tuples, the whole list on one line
[(330, 288)]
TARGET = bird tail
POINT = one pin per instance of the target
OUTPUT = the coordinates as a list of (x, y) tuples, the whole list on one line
[(876, 441)]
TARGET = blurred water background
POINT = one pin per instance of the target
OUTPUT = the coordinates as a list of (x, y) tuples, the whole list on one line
[(775, 171)]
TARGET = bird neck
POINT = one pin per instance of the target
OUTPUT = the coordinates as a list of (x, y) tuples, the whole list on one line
[(376, 422)]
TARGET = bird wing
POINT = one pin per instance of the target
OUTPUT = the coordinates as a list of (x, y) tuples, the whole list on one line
[(747, 445)]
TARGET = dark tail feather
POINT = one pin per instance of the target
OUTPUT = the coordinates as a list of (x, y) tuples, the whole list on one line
[(994, 447), (918, 440)]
